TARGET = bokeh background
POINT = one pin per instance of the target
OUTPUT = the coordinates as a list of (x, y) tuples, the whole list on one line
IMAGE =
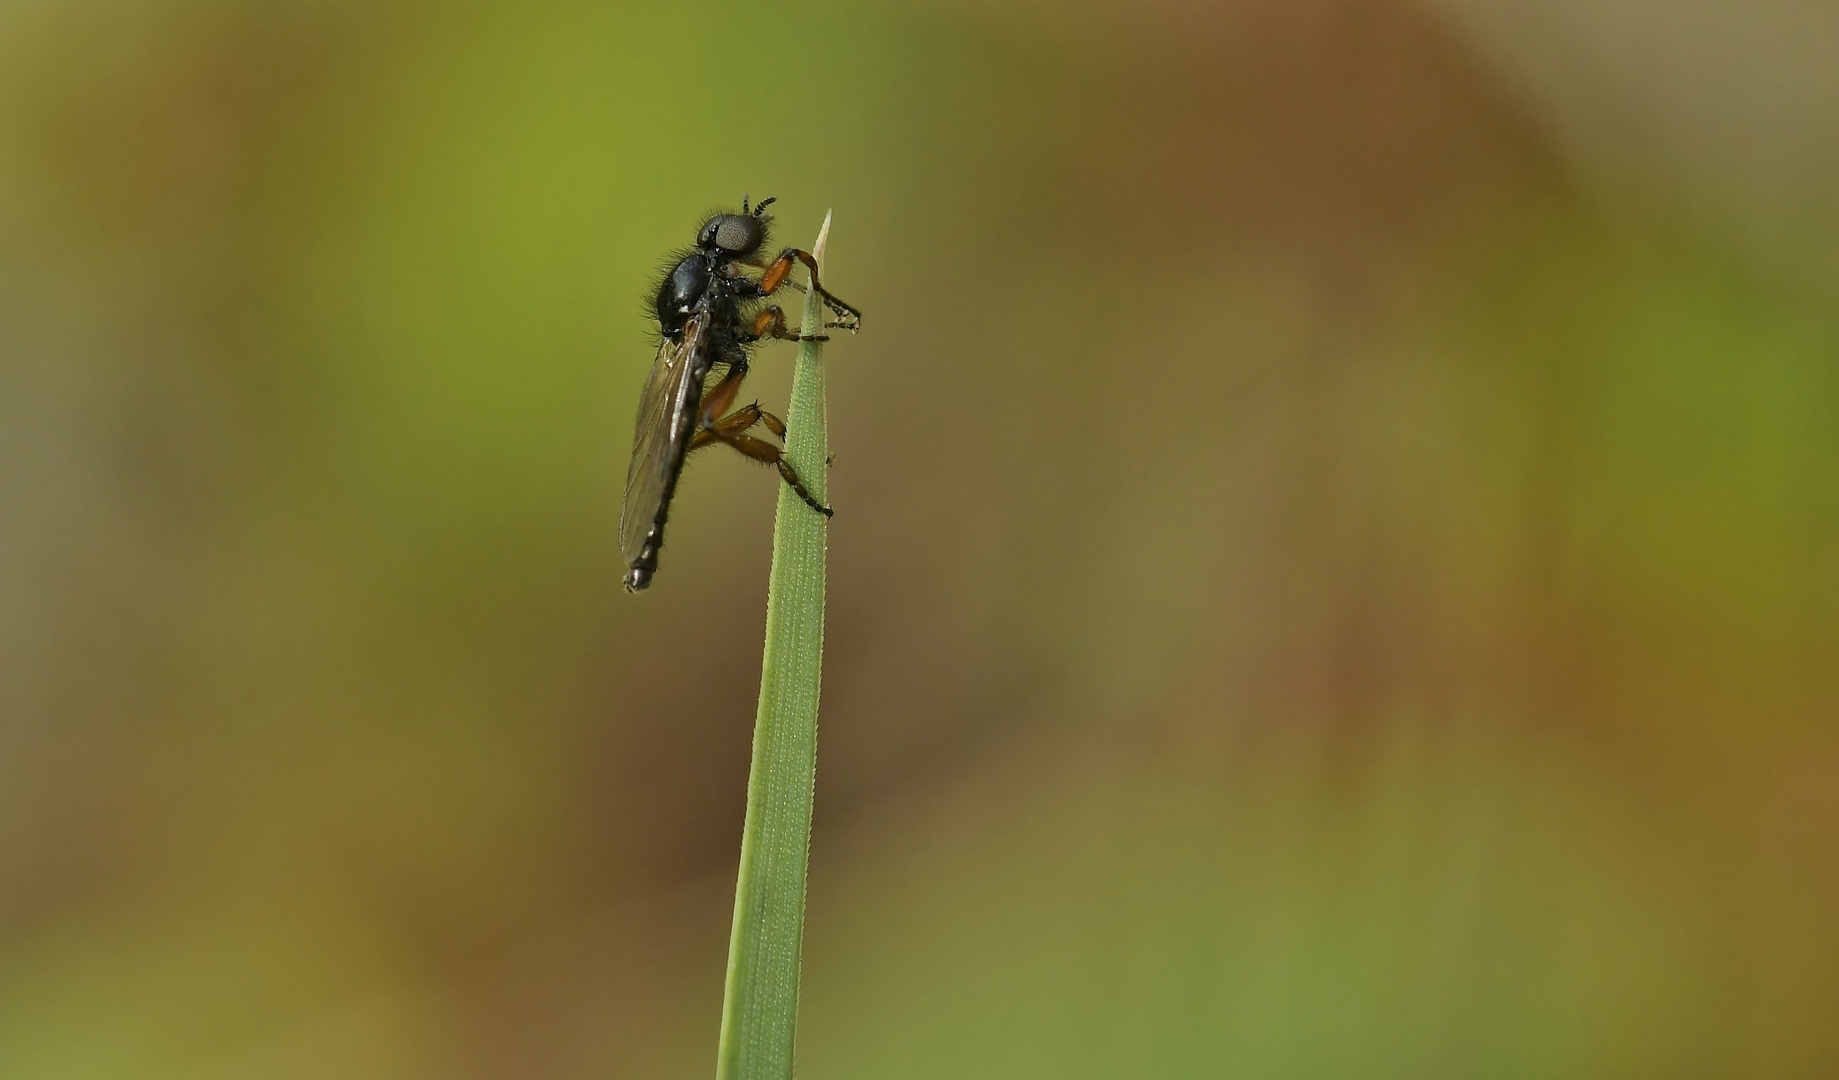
[(1336, 569)]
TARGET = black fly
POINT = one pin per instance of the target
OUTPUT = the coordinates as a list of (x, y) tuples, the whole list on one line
[(709, 318)]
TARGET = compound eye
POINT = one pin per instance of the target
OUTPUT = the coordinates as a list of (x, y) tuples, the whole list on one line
[(736, 234)]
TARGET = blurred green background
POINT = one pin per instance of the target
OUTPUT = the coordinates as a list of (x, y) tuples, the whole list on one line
[(1336, 569)]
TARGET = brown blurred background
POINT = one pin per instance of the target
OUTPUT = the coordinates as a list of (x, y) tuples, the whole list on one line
[(1334, 574)]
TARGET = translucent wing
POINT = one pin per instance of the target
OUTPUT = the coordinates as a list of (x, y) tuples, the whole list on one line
[(662, 435)]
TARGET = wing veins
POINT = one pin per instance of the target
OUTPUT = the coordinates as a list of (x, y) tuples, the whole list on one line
[(661, 433)]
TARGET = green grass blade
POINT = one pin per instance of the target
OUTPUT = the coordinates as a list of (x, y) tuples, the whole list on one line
[(760, 1002)]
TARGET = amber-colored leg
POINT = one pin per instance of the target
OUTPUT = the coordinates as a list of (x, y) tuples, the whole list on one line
[(848, 318), (763, 451), (716, 401), (771, 322), (735, 423), (731, 430)]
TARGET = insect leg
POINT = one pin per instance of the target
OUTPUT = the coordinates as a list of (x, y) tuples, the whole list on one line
[(848, 318), (764, 266), (762, 451), (731, 430), (759, 416), (771, 321), (741, 419), (735, 423), (719, 397)]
